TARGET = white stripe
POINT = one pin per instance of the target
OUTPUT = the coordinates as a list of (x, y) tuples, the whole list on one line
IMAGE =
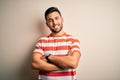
[(57, 78), (38, 50), (54, 44), (75, 49), (76, 43), (52, 38), (63, 37), (57, 52)]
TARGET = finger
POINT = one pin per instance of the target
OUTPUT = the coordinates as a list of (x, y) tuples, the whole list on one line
[(70, 52), (42, 57)]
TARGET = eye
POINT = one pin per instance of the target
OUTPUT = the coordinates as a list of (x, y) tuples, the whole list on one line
[(49, 20), (56, 18)]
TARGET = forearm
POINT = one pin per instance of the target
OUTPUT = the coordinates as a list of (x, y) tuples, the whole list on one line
[(64, 62), (39, 62), (45, 66)]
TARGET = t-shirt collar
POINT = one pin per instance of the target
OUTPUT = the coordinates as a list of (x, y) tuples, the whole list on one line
[(64, 34)]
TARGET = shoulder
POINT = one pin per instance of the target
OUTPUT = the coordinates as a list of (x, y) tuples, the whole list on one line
[(43, 38), (73, 37)]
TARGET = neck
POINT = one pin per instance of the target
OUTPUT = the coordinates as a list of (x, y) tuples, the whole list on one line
[(58, 34)]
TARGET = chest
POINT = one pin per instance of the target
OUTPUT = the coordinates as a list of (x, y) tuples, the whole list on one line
[(57, 47)]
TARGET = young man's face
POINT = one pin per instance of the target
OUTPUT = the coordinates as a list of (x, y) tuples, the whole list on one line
[(54, 22)]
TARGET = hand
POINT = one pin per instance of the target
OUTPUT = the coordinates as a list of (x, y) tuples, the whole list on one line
[(43, 58), (69, 53)]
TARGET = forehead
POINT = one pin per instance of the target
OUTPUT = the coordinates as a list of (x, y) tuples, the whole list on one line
[(53, 14)]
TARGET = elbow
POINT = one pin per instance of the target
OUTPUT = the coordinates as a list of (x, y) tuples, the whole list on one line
[(33, 66), (74, 65)]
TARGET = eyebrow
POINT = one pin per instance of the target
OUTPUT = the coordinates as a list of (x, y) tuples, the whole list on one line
[(54, 17)]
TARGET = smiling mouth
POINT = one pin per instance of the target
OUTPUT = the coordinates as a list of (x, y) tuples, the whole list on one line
[(56, 26)]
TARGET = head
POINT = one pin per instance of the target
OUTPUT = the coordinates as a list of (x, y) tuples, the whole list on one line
[(54, 19)]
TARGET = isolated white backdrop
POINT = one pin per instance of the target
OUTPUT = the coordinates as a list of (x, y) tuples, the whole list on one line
[(95, 22)]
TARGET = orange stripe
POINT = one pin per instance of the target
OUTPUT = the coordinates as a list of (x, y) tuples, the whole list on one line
[(58, 40), (57, 48), (75, 40), (38, 47), (58, 73), (75, 47)]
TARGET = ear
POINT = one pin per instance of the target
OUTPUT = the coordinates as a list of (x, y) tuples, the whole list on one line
[(46, 24), (62, 19)]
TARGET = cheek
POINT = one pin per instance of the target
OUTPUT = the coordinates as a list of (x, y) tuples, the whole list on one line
[(61, 21), (49, 24)]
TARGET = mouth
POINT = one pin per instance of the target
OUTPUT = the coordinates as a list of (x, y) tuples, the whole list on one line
[(56, 26)]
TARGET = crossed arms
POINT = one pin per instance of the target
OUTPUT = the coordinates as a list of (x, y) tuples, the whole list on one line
[(69, 61)]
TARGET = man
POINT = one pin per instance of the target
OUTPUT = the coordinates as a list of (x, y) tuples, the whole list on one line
[(57, 55)]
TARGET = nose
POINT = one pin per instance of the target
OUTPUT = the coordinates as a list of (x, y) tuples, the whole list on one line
[(54, 22)]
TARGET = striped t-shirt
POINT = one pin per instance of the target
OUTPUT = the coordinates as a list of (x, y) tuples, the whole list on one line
[(57, 46)]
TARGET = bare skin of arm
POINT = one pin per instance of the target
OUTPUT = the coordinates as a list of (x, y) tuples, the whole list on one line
[(66, 62), (39, 62)]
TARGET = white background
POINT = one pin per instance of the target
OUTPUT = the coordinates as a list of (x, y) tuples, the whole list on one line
[(95, 22)]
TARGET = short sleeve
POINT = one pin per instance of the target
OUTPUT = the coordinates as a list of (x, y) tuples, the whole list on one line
[(38, 48), (75, 46)]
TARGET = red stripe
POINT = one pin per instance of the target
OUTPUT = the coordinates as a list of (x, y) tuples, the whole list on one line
[(57, 48), (58, 73), (58, 40), (53, 48), (75, 46), (38, 47)]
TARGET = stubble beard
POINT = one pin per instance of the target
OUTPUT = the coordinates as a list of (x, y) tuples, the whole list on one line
[(56, 31)]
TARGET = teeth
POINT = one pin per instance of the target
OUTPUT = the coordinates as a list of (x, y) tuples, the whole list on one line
[(56, 26)]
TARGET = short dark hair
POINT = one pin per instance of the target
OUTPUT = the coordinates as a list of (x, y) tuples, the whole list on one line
[(50, 10)]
